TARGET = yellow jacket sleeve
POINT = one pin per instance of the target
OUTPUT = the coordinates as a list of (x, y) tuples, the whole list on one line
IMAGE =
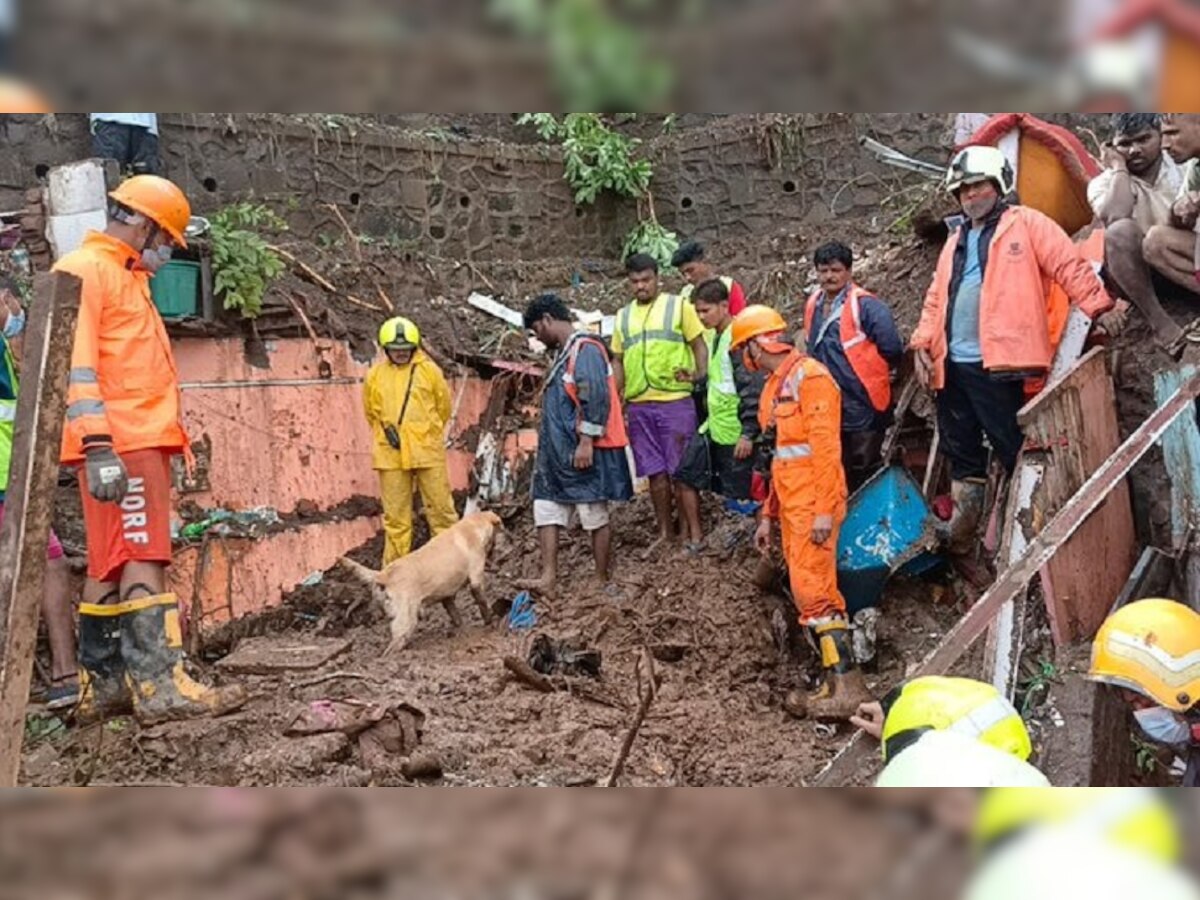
[(371, 401), (441, 393)]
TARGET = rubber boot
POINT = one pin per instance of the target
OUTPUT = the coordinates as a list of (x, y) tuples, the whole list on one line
[(152, 645), (103, 691), (844, 689), (963, 527)]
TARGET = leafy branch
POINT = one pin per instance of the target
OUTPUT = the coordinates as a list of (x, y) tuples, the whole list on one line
[(243, 264), (599, 59), (596, 159)]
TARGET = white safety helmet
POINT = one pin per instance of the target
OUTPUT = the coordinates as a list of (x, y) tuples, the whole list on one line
[(979, 163)]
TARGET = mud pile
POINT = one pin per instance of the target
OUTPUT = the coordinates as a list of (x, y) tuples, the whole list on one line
[(716, 719)]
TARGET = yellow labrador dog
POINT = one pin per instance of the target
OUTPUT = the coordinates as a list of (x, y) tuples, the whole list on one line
[(454, 559)]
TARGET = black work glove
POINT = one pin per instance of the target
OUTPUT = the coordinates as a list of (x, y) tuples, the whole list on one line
[(392, 435), (107, 479)]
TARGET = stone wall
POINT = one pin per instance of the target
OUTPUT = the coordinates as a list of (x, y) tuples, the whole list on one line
[(479, 199), (755, 177), (484, 199)]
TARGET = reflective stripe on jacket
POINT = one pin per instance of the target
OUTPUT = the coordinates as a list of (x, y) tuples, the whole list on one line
[(722, 424), (1026, 252), (864, 357), (123, 390), (654, 348), (614, 430), (802, 402)]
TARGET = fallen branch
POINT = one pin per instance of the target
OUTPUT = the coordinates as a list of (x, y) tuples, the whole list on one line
[(303, 318), (576, 687), (357, 245), (321, 281), (525, 674), (647, 691)]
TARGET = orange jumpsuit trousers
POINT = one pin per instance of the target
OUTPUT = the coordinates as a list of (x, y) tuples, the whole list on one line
[(803, 404)]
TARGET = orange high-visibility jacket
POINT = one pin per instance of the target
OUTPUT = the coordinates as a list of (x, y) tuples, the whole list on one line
[(864, 357), (123, 390), (1027, 252), (803, 403), (614, 437)]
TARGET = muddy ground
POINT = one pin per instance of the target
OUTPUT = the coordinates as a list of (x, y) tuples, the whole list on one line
[(716, 719)]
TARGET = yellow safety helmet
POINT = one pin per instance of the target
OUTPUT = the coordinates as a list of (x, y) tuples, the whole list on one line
[(1152, 647), (399, 333), (1138, 819), (961, 705)]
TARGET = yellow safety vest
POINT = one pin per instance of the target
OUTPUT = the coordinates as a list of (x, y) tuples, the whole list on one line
[(654, 348)]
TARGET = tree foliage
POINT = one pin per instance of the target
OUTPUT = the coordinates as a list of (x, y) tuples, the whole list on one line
[(243, 264)]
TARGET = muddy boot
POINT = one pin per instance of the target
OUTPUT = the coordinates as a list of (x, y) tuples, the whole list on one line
[(961, 532), (152, 646), (103, 691), (844, 688)]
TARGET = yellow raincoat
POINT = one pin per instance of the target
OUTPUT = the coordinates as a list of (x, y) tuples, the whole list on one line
[(420, 462)]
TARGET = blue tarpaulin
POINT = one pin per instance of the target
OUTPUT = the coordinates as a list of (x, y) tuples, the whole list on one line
[(888, 526)]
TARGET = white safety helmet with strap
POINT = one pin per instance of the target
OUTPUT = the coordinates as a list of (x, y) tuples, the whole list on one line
[(979, 163)]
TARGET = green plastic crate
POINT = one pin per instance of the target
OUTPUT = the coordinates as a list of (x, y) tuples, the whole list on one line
[(175, 289)]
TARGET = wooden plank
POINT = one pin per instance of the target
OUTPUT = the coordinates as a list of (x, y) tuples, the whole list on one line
[(29, 501), (1040, 551), (274, 655), (1005, 637), (1077, 591)]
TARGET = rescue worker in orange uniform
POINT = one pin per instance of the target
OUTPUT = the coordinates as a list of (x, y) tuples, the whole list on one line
[(985, 327), (123, 426), (800, 414)]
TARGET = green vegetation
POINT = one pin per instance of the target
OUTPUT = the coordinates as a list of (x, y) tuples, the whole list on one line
[(596, 159), (243, 264), (598, 59)]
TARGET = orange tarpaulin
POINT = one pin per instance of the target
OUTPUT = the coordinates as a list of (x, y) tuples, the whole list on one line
[(1053, 166)]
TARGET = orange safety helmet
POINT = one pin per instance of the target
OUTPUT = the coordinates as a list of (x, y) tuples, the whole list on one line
[(759, 321), (159, 200)]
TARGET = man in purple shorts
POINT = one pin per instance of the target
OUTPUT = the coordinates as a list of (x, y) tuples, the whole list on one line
[(63, 690), (659, 358)]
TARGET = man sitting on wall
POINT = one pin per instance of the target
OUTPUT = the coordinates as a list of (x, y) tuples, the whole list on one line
[(1133, 195)]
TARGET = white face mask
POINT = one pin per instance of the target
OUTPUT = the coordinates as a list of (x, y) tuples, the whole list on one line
[(1163, 726), (155, 259)]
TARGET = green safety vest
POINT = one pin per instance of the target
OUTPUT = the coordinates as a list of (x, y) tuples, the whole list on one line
[(723, 423), (8, 414), (654, 349)]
